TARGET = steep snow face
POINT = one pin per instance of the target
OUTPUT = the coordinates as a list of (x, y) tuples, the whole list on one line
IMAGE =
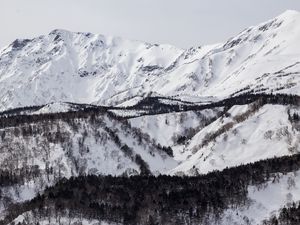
[(86, 68), (245, 135)]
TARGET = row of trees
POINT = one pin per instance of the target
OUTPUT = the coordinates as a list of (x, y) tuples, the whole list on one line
[(156, 105), (18, 176)]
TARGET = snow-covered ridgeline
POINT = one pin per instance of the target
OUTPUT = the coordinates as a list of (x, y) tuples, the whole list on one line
[(74, 67)]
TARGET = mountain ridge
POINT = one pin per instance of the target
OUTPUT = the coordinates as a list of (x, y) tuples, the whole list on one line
[(77, 67)]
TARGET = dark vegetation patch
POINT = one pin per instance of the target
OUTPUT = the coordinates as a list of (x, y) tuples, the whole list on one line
[(156, 200)]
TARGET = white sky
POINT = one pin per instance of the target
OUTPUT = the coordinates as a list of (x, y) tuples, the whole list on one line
[(183, 23)]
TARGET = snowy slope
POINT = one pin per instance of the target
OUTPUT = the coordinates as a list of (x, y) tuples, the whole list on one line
[(245, 135), (201, 141), (55, 108), (85, 68), (77, 67)]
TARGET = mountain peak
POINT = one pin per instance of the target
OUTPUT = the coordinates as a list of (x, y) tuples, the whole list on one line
[(60, 34), (60, 31), (19, 43), (288, 14)]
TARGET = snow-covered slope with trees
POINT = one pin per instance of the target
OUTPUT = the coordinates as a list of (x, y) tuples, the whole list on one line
[(171, 128), (244, 134), (245, 195), (39, 150), (49, 72), (71, 146), (264, 202)]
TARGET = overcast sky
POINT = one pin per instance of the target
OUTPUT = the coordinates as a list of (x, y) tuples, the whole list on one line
[(183, 23)]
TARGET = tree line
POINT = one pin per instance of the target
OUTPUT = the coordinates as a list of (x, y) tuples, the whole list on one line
[(156, 200)]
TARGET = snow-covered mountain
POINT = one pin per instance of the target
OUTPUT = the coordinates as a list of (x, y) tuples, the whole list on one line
[(79, 104), (48, 72), (86, 68)]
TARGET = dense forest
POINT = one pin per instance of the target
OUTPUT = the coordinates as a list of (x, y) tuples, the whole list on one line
[(157, 200)]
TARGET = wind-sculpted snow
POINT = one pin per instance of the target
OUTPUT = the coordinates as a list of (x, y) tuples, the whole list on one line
[(85, 68)]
